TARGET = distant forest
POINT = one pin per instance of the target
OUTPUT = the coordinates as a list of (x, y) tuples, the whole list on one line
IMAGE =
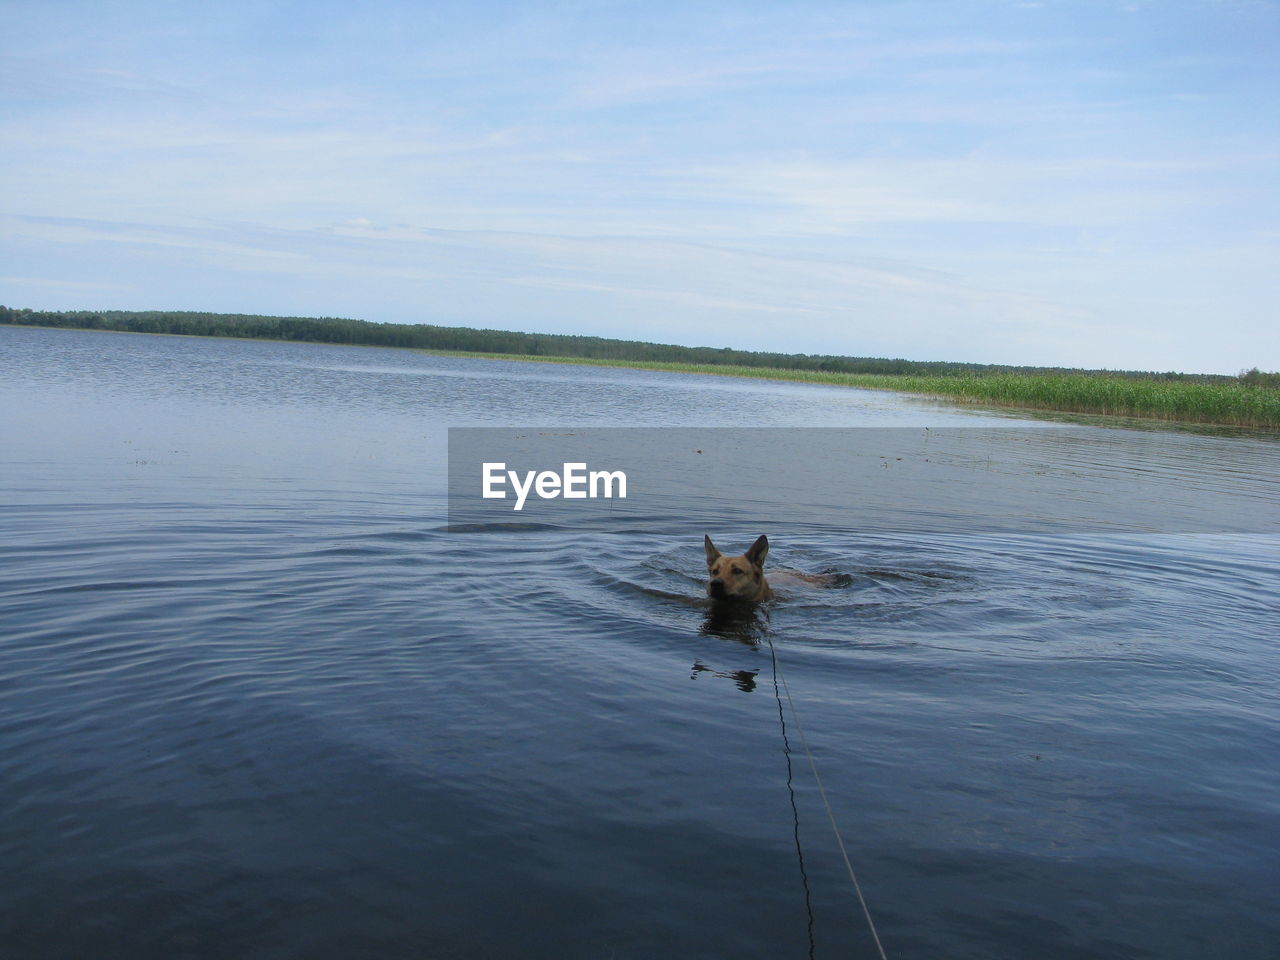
[(425, 336)]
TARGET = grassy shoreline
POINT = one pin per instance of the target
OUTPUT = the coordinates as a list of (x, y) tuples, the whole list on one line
[(1229, 404)]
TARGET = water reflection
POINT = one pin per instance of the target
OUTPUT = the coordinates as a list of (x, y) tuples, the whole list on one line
[(739, 620), (744, 679)]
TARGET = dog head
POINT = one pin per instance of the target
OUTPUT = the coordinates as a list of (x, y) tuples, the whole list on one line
[(740, 578)]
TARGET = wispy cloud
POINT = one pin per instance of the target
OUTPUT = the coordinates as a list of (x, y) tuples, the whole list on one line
[(74, 286), (757, 298)]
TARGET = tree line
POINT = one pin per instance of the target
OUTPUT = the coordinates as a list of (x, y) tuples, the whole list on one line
[(424, 336), (1256, 378)]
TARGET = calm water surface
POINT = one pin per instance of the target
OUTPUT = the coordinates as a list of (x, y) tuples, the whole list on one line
[(257, 702)]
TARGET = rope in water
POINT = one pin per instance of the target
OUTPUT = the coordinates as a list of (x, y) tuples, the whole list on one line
[(795, 811), (822, 792)]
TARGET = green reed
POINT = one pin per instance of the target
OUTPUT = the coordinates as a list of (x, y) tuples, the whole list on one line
[(1228, 404)]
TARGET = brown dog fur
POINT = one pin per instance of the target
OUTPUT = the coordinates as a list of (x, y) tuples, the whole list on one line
[(742, 577), (738, 578)]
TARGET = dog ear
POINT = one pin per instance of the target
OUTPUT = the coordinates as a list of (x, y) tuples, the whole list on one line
[(712, 553), (758, 551)]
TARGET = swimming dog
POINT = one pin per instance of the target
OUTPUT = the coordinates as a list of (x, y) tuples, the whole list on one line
[(742, 578), (738, 578)]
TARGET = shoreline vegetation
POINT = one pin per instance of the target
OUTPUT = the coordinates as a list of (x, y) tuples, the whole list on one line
[(1251, 399)]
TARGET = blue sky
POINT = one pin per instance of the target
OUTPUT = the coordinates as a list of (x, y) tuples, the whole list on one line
[(1061, 183)]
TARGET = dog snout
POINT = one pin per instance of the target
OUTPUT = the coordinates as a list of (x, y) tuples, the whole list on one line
[(716, 588)]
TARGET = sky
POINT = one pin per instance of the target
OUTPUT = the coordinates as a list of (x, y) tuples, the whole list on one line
[(1075, 183)]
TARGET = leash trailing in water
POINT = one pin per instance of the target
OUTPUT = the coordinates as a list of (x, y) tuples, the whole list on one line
[(822, 792), (795, 811)]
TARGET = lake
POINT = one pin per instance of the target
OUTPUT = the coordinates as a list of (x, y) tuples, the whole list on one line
[(261, 700)]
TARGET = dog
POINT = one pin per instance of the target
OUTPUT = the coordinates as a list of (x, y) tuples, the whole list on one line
[(741, 577)]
